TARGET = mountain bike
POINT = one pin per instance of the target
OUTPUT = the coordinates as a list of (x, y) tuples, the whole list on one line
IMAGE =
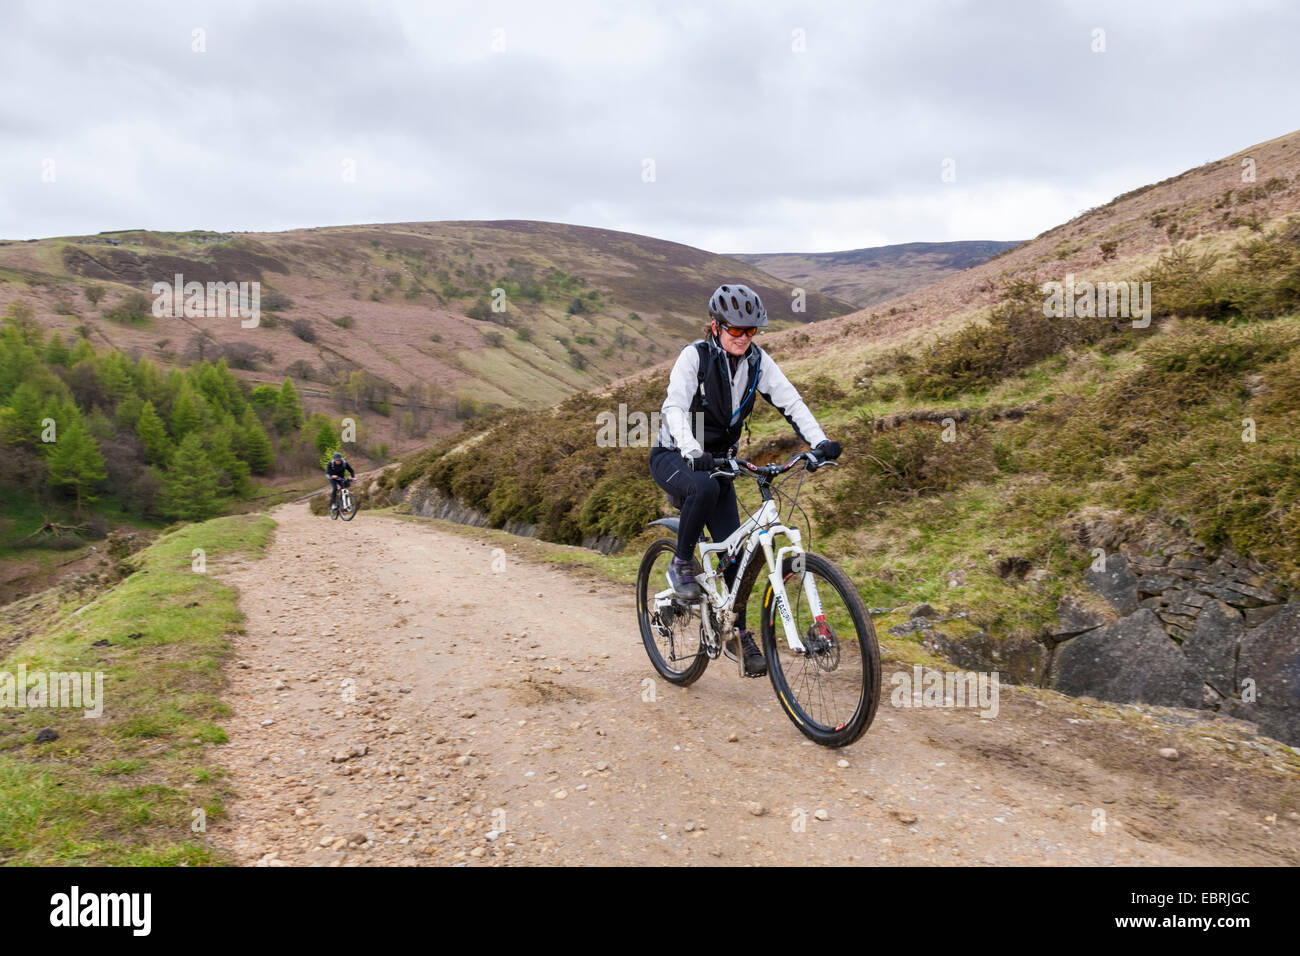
[(347, 504), (822, 656)]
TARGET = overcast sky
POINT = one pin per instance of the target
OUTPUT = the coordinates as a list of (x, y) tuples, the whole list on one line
[(757, 145)]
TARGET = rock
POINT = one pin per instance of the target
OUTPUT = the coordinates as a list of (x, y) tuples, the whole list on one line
[(1169, 753), (1017, 660), (842, 763), (601, 766), (923, 610), (908, 627), (1117, 584), (1256, 616), (1270, 656), (46, 735), (1157, 583), (1131, 661), (280, 685), (821, 815), (756, 809), (905, 817), (733, 738), (1073, 619), (1212, 647)]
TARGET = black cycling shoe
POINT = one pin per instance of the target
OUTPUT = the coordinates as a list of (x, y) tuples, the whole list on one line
[(681, 577), (755, 663)]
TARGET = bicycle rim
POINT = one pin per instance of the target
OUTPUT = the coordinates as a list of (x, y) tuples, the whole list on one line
[(672, 636), (832, 691)]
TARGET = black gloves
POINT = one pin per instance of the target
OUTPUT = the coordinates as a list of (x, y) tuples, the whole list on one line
[(828, 450), (703, 463)]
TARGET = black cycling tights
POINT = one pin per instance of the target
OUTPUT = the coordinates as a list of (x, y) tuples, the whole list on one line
[(709, 501)]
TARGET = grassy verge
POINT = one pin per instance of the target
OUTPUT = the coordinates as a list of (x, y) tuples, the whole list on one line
[(123, 788)]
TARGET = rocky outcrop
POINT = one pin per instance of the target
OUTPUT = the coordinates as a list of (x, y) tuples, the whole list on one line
[(1132, 661), (1269, 658), (1187, 629)]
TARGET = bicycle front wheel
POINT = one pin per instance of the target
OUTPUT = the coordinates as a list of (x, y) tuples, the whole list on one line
[(349, 509), (832, 689)]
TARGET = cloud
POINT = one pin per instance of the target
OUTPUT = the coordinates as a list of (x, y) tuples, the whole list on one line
[(757, 146)]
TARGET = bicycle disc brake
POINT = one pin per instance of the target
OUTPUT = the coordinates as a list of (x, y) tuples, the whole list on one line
[(822, 646)]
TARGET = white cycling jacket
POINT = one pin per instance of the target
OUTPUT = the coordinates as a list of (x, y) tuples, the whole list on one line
[(675, 425)]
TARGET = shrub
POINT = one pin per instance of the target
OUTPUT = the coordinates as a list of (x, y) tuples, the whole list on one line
[(274, 301), (302, 369), (303, 329), (134, 308), (93, 293), (343, 321), (244, 355)]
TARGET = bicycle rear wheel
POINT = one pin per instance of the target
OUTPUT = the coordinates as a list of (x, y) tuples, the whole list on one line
[(672, 635), (832, 691)]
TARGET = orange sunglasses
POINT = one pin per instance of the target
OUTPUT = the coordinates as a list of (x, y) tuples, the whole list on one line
[(736, 331)]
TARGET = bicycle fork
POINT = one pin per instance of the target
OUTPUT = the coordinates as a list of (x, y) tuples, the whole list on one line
[(777, 583)]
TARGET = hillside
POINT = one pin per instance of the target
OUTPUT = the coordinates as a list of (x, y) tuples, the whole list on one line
[(867, 276), (992, 453), (406, 305)]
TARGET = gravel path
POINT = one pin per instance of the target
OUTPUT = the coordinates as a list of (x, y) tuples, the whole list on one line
[(404, 695)]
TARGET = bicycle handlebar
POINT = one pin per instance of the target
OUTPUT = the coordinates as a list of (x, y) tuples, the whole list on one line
[(740, 466)]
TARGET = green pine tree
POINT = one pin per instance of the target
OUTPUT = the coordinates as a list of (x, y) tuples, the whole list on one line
[(257, 446), (153, 434), (187, 412), (221, 453), (327, 441), (74, 459), (29, 408), (190, 486), (288, 410), (83, 351), (57, 351)]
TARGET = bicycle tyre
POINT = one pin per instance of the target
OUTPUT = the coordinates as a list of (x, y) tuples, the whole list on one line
[(688, 671), (348, 513), (846, 732)]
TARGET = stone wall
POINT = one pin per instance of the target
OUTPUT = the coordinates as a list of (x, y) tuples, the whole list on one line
[(428, 502)]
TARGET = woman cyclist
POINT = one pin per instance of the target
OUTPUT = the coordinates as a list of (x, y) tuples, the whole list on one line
[(714, 384)]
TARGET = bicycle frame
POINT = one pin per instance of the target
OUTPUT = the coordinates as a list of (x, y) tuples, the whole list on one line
[(757, 531)]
